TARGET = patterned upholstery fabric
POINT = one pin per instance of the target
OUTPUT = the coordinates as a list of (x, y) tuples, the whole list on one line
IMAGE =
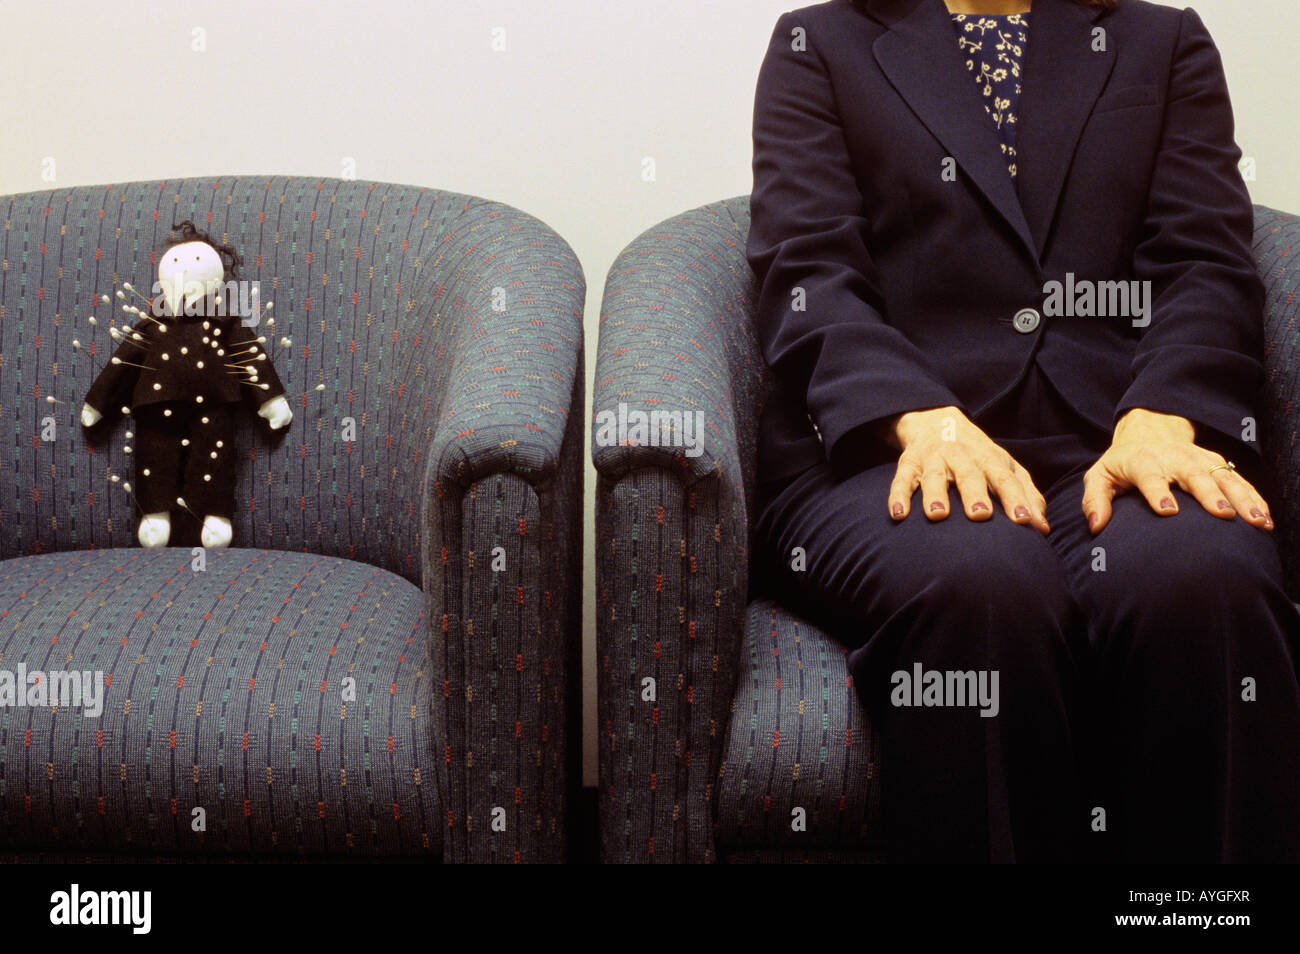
[(672, 547), (223, 692), (799, 742), (699, 774), (1277, 250), (447, 332)]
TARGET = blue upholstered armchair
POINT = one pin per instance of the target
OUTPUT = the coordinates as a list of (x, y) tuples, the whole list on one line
[(381, 666), (721, 712)]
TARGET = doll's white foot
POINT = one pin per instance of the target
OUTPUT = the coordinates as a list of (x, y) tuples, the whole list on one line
[(89, 416), (216, 532), (154, 530)]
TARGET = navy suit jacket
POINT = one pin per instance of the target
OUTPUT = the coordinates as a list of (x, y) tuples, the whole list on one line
[(910, 279)]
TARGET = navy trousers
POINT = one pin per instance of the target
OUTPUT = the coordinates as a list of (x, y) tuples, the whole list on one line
[(1149, 708)]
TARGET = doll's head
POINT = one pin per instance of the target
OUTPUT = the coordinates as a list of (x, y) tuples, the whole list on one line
[(192, 267)]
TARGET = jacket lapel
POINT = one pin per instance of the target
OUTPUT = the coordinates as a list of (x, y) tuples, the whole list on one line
[(1062, 77)]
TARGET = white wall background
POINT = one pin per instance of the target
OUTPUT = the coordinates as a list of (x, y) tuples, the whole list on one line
[(557, 124)]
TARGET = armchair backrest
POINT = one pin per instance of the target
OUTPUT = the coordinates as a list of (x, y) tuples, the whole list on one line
[(364, 276)]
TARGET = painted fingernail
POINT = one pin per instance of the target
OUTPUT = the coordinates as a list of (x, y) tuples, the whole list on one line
[(936, 506), (1224, 505), (979, 507), (1255, 512), (1167, 503), (898, 510), (1022, 513), (1093, 520)]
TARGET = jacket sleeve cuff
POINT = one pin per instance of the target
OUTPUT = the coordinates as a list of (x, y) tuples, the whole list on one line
[(849, 430), (1213, 388)]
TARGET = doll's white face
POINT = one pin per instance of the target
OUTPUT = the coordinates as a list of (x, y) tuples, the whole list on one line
[(188, 272)]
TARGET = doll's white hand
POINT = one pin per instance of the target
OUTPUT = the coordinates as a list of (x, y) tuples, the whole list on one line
[(277, 413), (89, 416)]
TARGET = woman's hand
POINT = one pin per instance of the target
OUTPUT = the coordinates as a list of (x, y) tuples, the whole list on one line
[(1150, 451), (943, 444)]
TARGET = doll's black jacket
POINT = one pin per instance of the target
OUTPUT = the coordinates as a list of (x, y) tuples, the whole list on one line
[(180, 365)]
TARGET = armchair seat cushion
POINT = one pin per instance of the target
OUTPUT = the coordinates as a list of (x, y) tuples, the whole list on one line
[(798, 739), (223, 690)]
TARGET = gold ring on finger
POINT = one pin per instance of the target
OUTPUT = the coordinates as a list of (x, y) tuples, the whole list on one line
[(1228, 466)]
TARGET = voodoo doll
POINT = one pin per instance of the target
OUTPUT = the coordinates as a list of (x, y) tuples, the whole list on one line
[(183, 372)]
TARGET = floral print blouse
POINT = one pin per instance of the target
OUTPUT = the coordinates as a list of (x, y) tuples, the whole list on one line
[(994, 48)]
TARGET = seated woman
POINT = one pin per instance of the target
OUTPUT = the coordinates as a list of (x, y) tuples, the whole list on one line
[(1005, 272)]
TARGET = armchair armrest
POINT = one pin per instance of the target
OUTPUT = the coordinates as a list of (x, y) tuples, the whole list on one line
[(676, 336), (501, 509), (1277, 252), (515, 305), (672, 525)]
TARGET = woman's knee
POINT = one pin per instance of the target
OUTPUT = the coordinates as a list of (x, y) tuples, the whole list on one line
[(857, 565), (1185, 585), (994, 608), (974, 570)]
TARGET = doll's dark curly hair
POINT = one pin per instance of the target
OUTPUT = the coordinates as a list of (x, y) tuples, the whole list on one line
[(186, 231)]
